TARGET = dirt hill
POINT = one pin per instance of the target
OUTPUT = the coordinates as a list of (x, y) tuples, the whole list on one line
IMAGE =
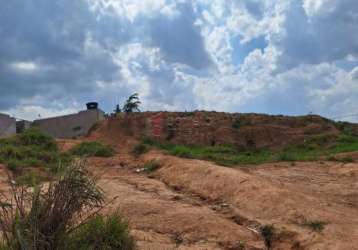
[(199, 205), (246, 131)]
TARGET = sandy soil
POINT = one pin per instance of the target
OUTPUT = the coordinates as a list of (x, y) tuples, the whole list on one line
[(194, 204)]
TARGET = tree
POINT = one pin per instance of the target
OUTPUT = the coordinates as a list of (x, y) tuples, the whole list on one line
[(117, 110), (132, 104)]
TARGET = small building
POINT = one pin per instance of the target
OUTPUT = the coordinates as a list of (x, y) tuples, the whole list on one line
[(7, 126), (73, 125)]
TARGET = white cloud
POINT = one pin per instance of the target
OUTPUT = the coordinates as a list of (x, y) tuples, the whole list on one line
[(283, 56), (319, 7), (25, 67), (31, 113)]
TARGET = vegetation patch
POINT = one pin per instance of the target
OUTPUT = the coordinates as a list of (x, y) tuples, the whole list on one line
[(139, 149), (315, 225), (62, 215), (101, 233), (31, 148), (151, 166), (92, 149), (31, 179), (312, 149)]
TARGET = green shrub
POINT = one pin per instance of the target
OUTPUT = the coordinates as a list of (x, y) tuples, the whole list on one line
[(92, 149), (151, 166), (33, 136), (41, 218), (139, 149), (31, 149), (101, 233)]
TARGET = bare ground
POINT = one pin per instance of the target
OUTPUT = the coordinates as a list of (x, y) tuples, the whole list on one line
[(194, 204)]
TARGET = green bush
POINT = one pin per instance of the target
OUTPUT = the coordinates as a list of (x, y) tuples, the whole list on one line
[(101, 233), (41, 218), (92, 149), (34, 137)]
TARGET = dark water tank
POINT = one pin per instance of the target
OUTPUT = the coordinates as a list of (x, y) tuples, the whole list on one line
[(92, 105)]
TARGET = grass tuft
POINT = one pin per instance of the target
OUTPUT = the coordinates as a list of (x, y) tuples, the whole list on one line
[(139, 149), (151, 166), (92, 149), (315, 225), (102, 233)]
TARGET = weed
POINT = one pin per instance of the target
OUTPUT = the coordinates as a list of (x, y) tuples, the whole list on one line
[(181, 151), (286, 156), (30, 179), (101, 233), (56, 217), (33, 137), (41, 218), (92, 149), (312, 149), (139, 149), (151, 166), (347, 159), (32, 148), (267, 233), (315, 225)]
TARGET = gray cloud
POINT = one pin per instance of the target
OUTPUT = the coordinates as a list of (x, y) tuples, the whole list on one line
[(51, 35), (322, 37), (54, 53), (179, 39), (71, 49)]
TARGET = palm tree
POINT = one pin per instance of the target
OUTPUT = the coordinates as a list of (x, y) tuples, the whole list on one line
[(132, 104)]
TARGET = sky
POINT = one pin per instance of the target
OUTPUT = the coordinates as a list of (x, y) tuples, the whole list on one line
[(291, 57)]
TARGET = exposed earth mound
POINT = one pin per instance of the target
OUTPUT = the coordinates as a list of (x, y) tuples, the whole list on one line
[(195, 204), (245, 131)]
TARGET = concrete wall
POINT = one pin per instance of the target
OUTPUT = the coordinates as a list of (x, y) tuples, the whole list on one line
[(22, 125), (70, 126), (7, 125)]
